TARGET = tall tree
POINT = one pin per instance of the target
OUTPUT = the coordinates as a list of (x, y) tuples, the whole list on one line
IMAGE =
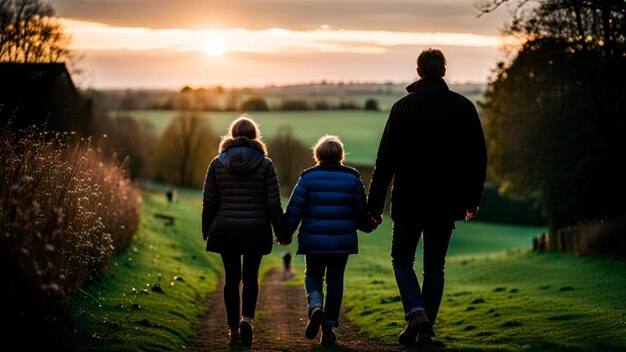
[(555, 115), (185, 149), (29, 32), (290, 156)]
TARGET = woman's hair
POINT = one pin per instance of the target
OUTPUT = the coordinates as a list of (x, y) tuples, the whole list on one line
[(244, 126), (328, 149)]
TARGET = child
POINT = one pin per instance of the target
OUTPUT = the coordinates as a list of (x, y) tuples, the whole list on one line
[(241, 205), (329, 200)]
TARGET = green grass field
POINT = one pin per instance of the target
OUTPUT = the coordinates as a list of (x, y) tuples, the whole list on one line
[(359, 130), (498, 296)]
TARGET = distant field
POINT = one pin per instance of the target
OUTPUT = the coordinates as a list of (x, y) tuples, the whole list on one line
[(359, 130)]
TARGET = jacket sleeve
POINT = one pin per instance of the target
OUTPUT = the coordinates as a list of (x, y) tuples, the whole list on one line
[(360, 206), (477, 159), (383, 171), (272, 194), (210, 199), (296, 207)]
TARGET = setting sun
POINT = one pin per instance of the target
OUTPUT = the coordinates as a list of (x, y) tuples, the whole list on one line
[(215, 46)]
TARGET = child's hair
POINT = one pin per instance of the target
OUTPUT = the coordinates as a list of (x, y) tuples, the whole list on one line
[(244, 126), (328, 149)]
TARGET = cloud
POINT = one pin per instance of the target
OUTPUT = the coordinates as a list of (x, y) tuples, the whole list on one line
[(170, 69), (388, 15), (95, 36)]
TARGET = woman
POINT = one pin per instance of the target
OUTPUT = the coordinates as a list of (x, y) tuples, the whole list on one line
[(241, 203)]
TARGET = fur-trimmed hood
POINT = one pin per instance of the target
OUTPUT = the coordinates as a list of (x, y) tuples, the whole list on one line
[(241, 155), (228, 142)]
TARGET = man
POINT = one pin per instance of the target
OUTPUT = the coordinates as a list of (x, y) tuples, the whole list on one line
[(434, 149)]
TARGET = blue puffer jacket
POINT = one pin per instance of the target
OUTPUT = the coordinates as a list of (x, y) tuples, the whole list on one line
[(330, 201)]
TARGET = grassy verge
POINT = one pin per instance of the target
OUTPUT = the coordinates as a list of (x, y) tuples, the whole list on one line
[(148, 298)]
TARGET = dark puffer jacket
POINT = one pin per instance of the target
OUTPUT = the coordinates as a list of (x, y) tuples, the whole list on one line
[(433, 148), (330, 201), (241, 200)]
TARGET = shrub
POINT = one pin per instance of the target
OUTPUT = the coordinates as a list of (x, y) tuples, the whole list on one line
[(371, 104), (64, 211)]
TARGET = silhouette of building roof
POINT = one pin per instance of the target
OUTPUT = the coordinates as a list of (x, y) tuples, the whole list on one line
[(37, 93)]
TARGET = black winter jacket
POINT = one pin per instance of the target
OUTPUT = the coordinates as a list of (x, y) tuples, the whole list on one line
[(241, 200), (434, 149)]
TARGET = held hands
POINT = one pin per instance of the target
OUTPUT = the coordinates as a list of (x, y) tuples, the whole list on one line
[(286, 242), (376, 221), (470, 213)]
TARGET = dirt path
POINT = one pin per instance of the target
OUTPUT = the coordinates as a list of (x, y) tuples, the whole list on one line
[(279, 324)]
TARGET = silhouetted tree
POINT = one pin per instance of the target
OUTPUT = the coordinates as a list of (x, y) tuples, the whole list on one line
[(29, 32), (290, 156), (185, 149), (132, 142), (556, 114)]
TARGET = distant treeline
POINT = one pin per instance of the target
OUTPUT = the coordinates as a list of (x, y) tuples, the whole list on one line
[(321, 96), (219, 99)]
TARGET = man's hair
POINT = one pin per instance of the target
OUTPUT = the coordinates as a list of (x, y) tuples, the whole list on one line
[(328, 149), (244, 126), (431, 62)]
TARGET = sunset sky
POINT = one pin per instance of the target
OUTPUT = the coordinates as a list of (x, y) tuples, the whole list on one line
[(171, 43)]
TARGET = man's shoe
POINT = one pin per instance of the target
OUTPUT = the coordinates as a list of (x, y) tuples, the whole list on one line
[(315, 320), (245, 331), (416, 321), (328, 336)]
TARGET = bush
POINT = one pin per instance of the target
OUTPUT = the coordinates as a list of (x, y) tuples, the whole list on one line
[(371, 104), (64, 211)]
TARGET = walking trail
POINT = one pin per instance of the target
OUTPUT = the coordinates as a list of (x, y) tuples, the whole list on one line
[(279, 324)]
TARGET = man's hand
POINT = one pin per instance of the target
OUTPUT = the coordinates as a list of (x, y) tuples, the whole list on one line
[(470, 213)]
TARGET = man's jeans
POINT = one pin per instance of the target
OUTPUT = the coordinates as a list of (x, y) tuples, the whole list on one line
[(334, 265), (406, 235)]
